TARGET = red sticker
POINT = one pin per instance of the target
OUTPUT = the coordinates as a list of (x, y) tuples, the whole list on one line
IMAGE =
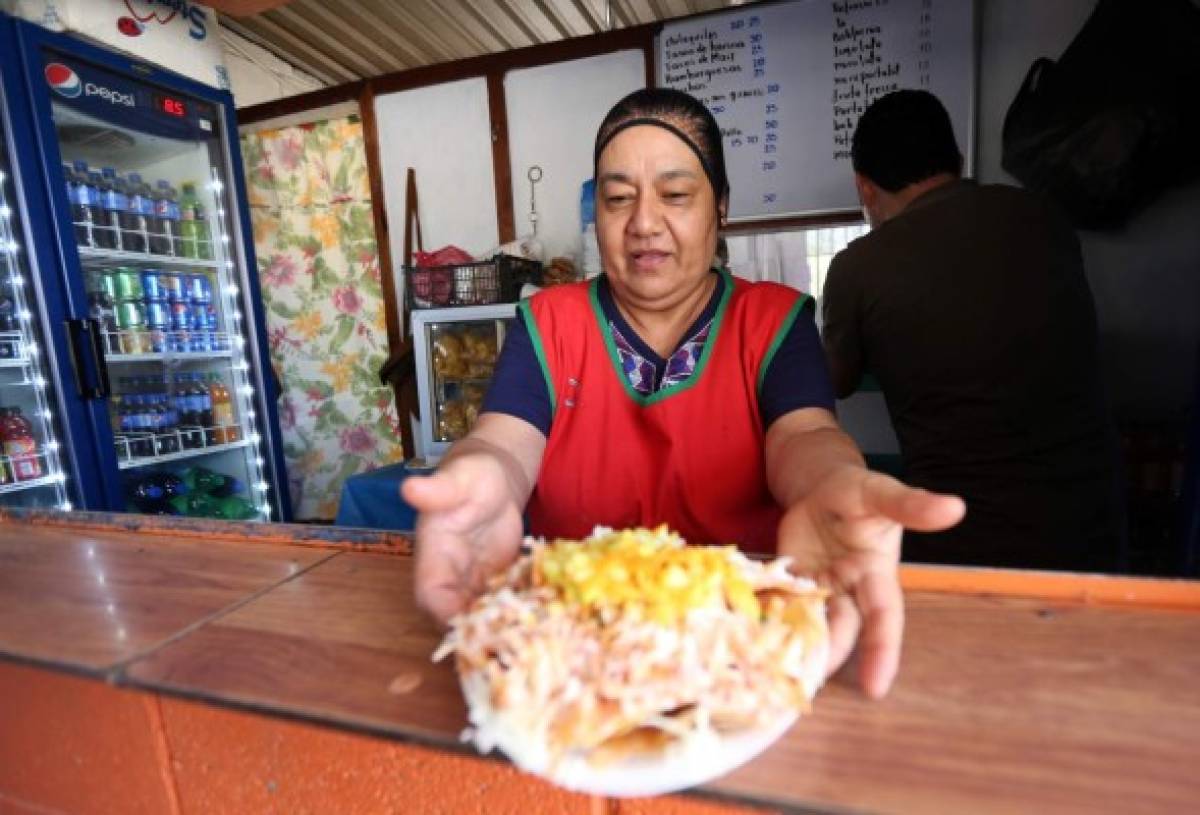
[(129, 27)]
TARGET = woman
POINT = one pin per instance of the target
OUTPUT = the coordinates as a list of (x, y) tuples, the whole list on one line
[(669, 392)]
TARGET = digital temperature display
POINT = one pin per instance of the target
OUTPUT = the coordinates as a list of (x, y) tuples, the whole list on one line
[(171, 106)]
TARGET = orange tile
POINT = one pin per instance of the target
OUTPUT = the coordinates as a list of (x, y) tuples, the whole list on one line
[(78, 746), (232, 762)]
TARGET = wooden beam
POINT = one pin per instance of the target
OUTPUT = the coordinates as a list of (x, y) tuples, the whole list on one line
[(501, 158), (383, 245), (530, 57)]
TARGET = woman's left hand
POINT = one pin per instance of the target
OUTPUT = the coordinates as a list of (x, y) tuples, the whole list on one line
[(846, 533)]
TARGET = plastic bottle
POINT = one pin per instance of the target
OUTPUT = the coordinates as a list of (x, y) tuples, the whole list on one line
[(166, 213), (227, 428), (108, 221), (135, 222), (19, 445), (115, 204), (186, 406), (234, 508), (188, 223), (83, 213), (205, 402)]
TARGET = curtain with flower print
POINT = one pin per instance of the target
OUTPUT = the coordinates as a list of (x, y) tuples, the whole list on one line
[(310, 206)]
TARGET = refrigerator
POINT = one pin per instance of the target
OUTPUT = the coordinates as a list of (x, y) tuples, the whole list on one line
[(456, 351), (140, 357)]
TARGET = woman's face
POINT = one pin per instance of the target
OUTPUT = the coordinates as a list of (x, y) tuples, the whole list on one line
[(656, 218)]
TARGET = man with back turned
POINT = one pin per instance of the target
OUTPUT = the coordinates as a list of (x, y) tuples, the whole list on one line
[(970, 306)]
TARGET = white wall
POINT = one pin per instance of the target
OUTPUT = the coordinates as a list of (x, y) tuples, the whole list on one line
[(553, 114), (443, 132), (256, 75), (1145, 277)]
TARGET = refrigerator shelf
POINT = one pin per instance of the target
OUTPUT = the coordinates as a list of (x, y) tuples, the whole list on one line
[(18, 486), (168, 356), (147, 461), (102, 258), (15, 362)]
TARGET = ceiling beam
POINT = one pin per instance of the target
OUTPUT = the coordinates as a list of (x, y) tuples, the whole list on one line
[(271, 31)]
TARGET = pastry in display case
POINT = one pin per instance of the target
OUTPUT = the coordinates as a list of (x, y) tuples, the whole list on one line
[(456, 352)]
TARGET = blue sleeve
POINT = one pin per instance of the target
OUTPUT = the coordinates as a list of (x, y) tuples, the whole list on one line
[(518, 387), (798, 375)]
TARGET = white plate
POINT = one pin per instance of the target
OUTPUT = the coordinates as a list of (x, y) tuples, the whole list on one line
[(688, 763)]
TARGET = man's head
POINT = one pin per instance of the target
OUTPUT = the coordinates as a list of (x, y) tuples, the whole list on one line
[(903, 145)]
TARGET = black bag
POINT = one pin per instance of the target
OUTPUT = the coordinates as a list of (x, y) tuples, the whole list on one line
[(1115, 120)]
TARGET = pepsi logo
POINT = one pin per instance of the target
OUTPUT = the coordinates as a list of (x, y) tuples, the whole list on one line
[(63, 80)]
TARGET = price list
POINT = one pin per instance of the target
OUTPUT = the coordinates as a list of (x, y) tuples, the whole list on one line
[(788, 81), (867, 64), (727, 66)]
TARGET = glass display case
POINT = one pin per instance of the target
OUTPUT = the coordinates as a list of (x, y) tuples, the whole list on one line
[(456, 351)]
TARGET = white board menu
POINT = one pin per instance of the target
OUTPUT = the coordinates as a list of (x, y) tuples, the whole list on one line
[(787, 82)]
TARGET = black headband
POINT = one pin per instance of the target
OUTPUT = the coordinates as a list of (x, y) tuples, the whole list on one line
[(718, 189)]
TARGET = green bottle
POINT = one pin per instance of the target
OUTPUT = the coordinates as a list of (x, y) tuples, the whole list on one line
[(193, 226), (235, 509)]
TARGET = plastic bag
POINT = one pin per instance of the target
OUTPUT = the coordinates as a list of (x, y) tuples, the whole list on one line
[(432, 278)]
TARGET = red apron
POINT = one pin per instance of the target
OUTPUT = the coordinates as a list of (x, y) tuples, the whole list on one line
[(690, 456)]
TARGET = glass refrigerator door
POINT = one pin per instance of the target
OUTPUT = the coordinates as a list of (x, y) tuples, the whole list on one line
[(456, 351), (31, 473), (146, 177)]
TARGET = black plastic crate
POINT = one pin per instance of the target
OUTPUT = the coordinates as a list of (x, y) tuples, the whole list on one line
[(498, 280)]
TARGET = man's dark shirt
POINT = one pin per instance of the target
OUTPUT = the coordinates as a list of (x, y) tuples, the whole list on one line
[(972, 310)]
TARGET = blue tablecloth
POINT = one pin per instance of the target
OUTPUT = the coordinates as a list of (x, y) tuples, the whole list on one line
[(372, 500)]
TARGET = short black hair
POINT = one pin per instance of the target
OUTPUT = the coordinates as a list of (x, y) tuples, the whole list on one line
[(902, 138), (684, 114)]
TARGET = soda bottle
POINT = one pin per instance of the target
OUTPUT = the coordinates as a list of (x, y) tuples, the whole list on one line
[(166, 227), (107, 224), (19, 445), (194, 224), (227, 429), (190, 416), (187, 220), (197, 505), (139, 215), (82, 213), (235, 509), (166, 208), (114, 203), (204, 402)]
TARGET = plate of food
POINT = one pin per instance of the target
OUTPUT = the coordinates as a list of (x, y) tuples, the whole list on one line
[(630, 663)]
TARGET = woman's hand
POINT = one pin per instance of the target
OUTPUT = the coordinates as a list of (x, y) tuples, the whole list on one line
[(469, 513), (846, 533)]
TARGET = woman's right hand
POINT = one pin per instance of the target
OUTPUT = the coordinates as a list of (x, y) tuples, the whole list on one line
[(469, 521)]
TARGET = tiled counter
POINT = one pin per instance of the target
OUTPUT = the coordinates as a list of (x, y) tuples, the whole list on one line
[(180, 667)]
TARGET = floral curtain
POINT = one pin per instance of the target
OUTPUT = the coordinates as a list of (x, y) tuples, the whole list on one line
[(314, 237)]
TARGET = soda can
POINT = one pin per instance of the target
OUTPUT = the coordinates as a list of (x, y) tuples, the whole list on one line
[(131, 315), (201, 338), (128, 285), (152, 285), (172, 286), (158, 317), (199, 289), (108, 284), (181, 316)]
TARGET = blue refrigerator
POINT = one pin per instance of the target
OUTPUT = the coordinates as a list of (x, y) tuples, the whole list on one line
[(134, 373)]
